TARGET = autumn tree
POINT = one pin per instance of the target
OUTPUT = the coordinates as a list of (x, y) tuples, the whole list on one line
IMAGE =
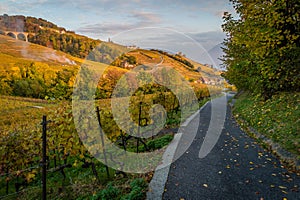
[(262, 47)]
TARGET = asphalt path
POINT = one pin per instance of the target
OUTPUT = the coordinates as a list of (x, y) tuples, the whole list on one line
[(236, 167)]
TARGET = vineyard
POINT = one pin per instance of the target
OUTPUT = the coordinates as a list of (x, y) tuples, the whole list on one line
[(53, 147), (70, 167)]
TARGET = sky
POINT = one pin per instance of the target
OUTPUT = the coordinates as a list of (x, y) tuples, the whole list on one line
[(190, 26)]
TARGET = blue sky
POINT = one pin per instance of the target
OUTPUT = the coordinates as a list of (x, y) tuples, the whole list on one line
[(199, 20)]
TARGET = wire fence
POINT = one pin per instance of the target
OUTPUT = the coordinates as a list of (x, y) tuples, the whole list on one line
[(58, 162), (13, 179)]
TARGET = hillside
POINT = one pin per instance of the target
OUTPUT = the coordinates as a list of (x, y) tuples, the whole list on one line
[(17, 50), (48, 34), (48, 63), (189, 69), (45, 33), (31, 70)]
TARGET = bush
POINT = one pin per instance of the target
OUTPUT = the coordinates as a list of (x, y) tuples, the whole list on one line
[(160, 142), (138, 188), (110, 192)]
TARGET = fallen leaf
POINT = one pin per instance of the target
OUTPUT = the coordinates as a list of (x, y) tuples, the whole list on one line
[(281, 187), (205, 185)]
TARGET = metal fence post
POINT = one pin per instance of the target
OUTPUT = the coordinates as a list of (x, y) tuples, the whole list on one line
[(102, 140), (44, 161)]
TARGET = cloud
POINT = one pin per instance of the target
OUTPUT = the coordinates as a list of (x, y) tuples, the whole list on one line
[(208, 39), (139, 19), (146, 17), (3, 8), (104, 28)]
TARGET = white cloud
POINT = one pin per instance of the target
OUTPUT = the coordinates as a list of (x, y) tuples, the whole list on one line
[(146, 17), (140, 19)]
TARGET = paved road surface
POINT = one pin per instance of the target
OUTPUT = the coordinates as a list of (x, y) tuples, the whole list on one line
[(236, 168)]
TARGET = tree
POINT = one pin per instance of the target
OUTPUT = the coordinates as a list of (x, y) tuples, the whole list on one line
[(263, 45)]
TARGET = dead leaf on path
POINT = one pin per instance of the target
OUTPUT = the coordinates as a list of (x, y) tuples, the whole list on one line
[(282, 187), (272, 186), (295, 188), (228, 167), (205, 185)]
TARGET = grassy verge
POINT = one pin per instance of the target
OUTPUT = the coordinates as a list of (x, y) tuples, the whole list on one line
[(276, 118)]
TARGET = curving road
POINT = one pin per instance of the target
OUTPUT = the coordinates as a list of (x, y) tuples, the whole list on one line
[(236, 168)]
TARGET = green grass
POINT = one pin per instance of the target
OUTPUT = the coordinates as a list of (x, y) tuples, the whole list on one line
[(80, 183), (277, 118)]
